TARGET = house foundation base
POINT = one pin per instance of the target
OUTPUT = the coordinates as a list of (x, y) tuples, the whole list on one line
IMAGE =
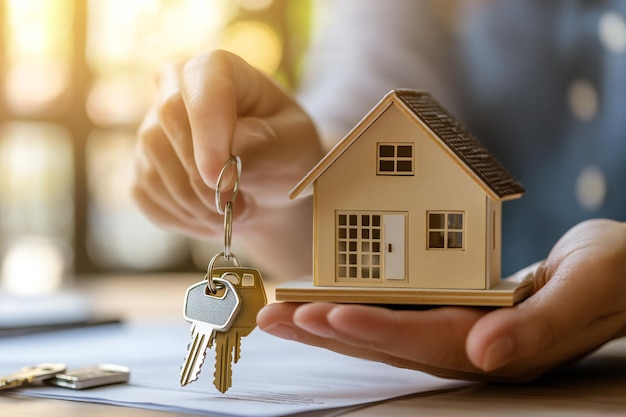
[(507, 293)]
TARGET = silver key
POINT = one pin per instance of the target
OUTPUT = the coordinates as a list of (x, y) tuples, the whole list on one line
[(31, 375), (91, 376), (207, 313)]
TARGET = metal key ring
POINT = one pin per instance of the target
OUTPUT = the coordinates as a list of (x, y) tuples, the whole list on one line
[(228, 229), (209, 271), (218, 187)]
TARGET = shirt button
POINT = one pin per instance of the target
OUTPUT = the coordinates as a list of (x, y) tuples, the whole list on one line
[(591, 188), (612, 32), (583, 100)]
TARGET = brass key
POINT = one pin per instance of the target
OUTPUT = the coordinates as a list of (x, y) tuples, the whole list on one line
[(249, 286), (31, 375)]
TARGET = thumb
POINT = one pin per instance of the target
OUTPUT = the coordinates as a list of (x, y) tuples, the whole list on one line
[(574, 287)]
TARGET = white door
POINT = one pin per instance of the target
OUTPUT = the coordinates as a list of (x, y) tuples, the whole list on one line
[(394, 246)]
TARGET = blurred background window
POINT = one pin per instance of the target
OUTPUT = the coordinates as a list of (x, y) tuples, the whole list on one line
[(76, 77)]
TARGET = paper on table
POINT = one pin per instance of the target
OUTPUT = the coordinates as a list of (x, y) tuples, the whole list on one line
[(65, 307), (274, 377)]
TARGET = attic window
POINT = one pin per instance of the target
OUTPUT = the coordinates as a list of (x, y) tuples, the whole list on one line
[(395, 159)]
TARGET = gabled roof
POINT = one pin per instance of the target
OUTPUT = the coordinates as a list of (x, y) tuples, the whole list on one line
[(465, 146)]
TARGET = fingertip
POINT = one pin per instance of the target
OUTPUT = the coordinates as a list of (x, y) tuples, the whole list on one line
[(281, 330), (277, 319), (275, 312), (507, 335), (493, 355), (491, 342), (313, 318), (264, 316)]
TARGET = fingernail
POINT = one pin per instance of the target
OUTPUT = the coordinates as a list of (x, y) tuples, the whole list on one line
[(282, 331), (498, 354)]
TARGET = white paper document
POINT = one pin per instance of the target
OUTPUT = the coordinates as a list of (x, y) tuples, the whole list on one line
[(274, 377)]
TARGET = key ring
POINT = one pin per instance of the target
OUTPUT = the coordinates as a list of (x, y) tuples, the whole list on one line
[(228, 229), (218, 188), (209, 271), (227, 212)]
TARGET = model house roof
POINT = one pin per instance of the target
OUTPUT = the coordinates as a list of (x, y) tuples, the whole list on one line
[(465, 146)]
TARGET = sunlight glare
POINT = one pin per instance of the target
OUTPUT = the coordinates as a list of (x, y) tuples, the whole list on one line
[(145, 33), (32, 266), (255, 42), (255, 5), (118, 100), (38, 53)]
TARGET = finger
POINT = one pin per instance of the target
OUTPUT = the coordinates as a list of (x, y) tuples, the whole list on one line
[(154, 144), (435, 336), (277, 319), (148, 182), (173, 115), (151, 195), (174, 120), (578, 285), (166, 217), (217, 88)]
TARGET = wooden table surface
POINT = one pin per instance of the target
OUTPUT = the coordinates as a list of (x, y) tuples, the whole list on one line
[(593, 387)]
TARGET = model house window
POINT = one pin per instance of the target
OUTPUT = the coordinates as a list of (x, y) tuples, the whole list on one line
[(445, 230), (358, 245), (395, 159)]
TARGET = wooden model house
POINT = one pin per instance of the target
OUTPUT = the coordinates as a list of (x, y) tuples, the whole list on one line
[(407, 209)]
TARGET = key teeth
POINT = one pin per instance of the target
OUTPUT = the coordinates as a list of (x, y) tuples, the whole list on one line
[(237, 348), (185, 383), (191, 376), (223, 382), (223, 375), (194, 376)]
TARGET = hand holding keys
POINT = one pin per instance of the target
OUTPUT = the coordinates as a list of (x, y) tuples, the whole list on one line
[(223, 307)]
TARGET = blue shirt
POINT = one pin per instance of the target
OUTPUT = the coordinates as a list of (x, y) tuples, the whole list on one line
[(545, 89)]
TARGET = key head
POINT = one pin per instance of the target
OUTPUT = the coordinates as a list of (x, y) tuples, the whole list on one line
[(43, 371), (32, 375), (219, 310), (249, 286)]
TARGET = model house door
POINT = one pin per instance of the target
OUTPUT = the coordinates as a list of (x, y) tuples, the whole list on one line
[(394, 247), (370, 246)]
